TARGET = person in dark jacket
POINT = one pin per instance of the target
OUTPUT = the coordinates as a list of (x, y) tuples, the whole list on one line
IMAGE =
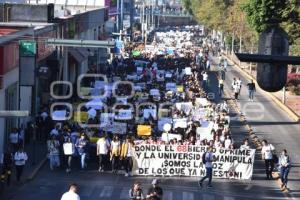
[(136, 192)]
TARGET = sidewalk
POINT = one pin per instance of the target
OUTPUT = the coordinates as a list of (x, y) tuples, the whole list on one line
[(292, 101), (30, 170)]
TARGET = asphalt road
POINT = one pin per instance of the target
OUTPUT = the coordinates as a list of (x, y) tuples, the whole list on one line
[(270, 122)]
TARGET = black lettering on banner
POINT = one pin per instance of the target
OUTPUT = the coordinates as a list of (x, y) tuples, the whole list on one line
[(138, 154)]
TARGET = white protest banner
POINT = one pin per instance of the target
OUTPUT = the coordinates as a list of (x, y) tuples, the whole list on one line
[(148, 112), (124, 115), (171, 87), (154, 92), (114, 127), (69, 148), (204, 132), (180, 123), (202, 101), (186, 160), (198, 114), (184, 106), (169, 136), (162, 122), (59, 115), (188, 71)]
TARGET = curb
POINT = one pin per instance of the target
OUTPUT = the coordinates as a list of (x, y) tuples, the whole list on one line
[(285, 108), (35, 171)]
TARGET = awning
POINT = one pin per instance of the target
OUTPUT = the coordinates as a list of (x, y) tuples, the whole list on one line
[(79, 54)]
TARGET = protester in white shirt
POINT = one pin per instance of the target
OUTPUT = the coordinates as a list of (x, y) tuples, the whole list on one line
[(115, 152), (227, 142), (72, 193), (267, 155), (102, 151), (20, 159), (239, 84)]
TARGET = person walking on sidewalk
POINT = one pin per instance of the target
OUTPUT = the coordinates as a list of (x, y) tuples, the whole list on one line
[(69, 151), (204, 79), (221, 87), (82, 148), (72, 193), (251, 90), (285, 165), (207, 159), (239, 84), (236, 91), (102, 151), (53, 152), (20, 159), (115, 151), (267, 155), (127, 151)]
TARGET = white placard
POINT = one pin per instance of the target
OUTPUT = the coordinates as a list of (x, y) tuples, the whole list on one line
[(188, 71), (169, 136), (180, 123), (114, 127), (124, 115), (69, 148), (59, 115), (163, 121), (154, 92), (148, 112), (171, 87)]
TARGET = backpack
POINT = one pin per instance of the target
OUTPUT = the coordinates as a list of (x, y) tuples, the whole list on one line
[(203, 158)]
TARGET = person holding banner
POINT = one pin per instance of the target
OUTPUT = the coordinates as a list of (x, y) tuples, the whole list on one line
[(155, 192), (136, 192), (207, 159), (127, 151)]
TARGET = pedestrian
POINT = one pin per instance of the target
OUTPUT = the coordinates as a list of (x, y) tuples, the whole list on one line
[(267, 155), (239, 84), (285, 166), (207, 64), (207, 159), (236, 90), (72, 193), (204, 79), (127, 154), (14, 139), (225, 64), (102, 151), (115, 152), (221, 87), (251, 90), (20, 159), (136, 192), (69, 151), (53, 152), (82, 148), (7, 164), (155, 192)]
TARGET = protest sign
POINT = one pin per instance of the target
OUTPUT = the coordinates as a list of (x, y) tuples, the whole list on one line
[(204, 132), (124, 115), (106, 118), (186, 160), (114, 127), (171, 87), (179, 88), (148, 112), (188, 71), (144, 130), (154, 92), (69, 148), (162, 122), (169, 136), (59, 115), (180, 123)]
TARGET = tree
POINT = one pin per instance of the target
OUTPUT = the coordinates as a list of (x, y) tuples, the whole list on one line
[(263, 14)]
